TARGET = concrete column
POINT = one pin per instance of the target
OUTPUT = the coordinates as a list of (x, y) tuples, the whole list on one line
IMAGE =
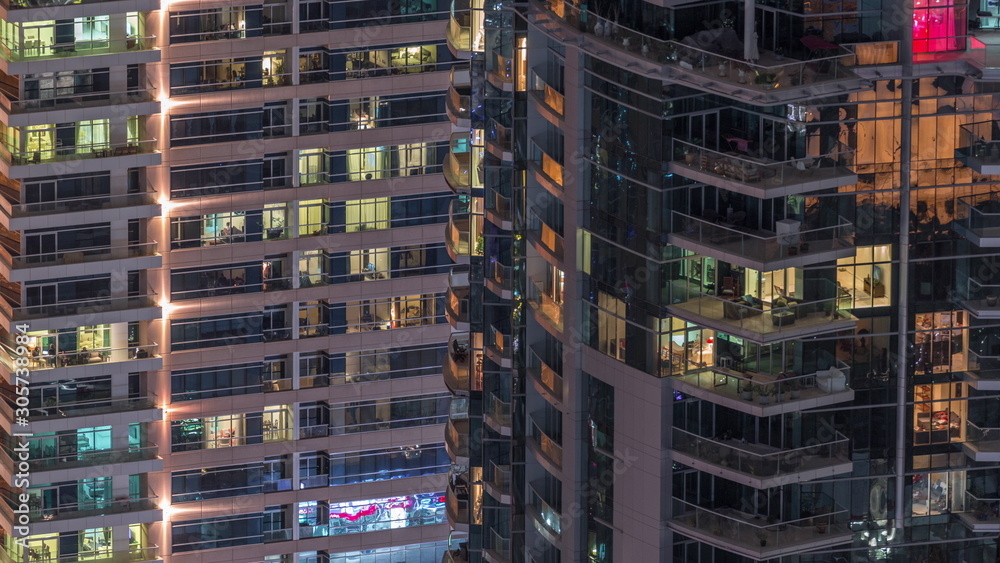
[(295, 371)]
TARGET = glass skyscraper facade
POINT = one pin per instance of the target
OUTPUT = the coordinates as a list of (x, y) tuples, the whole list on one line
[(732, 281)]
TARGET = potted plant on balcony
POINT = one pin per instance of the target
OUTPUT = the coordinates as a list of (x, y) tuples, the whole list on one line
[(991, 300), (792, 383), (746, 389), (762, 536), (764, 393)]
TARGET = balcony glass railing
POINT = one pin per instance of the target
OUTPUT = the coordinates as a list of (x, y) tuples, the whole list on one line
[(544, 304), (750, 531), (984, 367), (463, 228), (80, 100), (762, 246), (767, 173), (980, 214), (734, 382), (456, 304), (499, 547), (550, 515), (88, 203), (70, 358), (762, 460), (86, 306), (457, 170), (544, 374), (500, 477), (982, 508), (78, 152), (459, 102), (984, 437), (545, 235), (135, 554), (457, 501), (92, 508), (547, 95), (465, 28), (456, 434), (766, 74), (828, 307), (459, 359), (498, 342), (20, 53), (102, 406), (500, 275), (549, 447), (499, 410), (980, 141), (547, 165), (81, 255), (99, 457)]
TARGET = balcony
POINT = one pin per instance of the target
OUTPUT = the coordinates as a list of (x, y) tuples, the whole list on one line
[(762, 177), (88, 509), (497, 485), (546, 449), (69, 460), (89, 158), (457, 504), (464, 227), (981, 151), (548, 170), (548, 519), (497, 549), (498, 210), (547, 381), (458, 104), (978, 217), (747, 534), (544, 305), (767, 322), (981, 443), (980, 515), (983, 372), (135, 554), (456, 301), (457, 364), (83, 105), (96, 407), (763, 466), (766, 82), (550, 98), (457, 167), (79, 358), (500, 72), (761, 394), (456, 440), (465, 28), (726, 240), (544, 238), (140, 308), (980, 299), (499, 279), (92, 208), (15, 54), (497, 415), (498, 346), (85, 255)]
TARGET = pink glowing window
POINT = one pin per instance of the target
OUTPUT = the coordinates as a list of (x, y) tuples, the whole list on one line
[(938, 25)]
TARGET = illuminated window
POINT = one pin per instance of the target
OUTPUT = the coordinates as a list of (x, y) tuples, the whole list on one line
[(867, 276)]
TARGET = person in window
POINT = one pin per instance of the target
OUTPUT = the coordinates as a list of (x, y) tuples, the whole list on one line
[(52, 354), (235, 234)]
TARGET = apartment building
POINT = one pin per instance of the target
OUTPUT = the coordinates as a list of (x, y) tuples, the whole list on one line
[(224, 265), (733, 282)]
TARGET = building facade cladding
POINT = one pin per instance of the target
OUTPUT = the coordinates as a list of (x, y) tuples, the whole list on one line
[(222, 260), (749, 256)]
